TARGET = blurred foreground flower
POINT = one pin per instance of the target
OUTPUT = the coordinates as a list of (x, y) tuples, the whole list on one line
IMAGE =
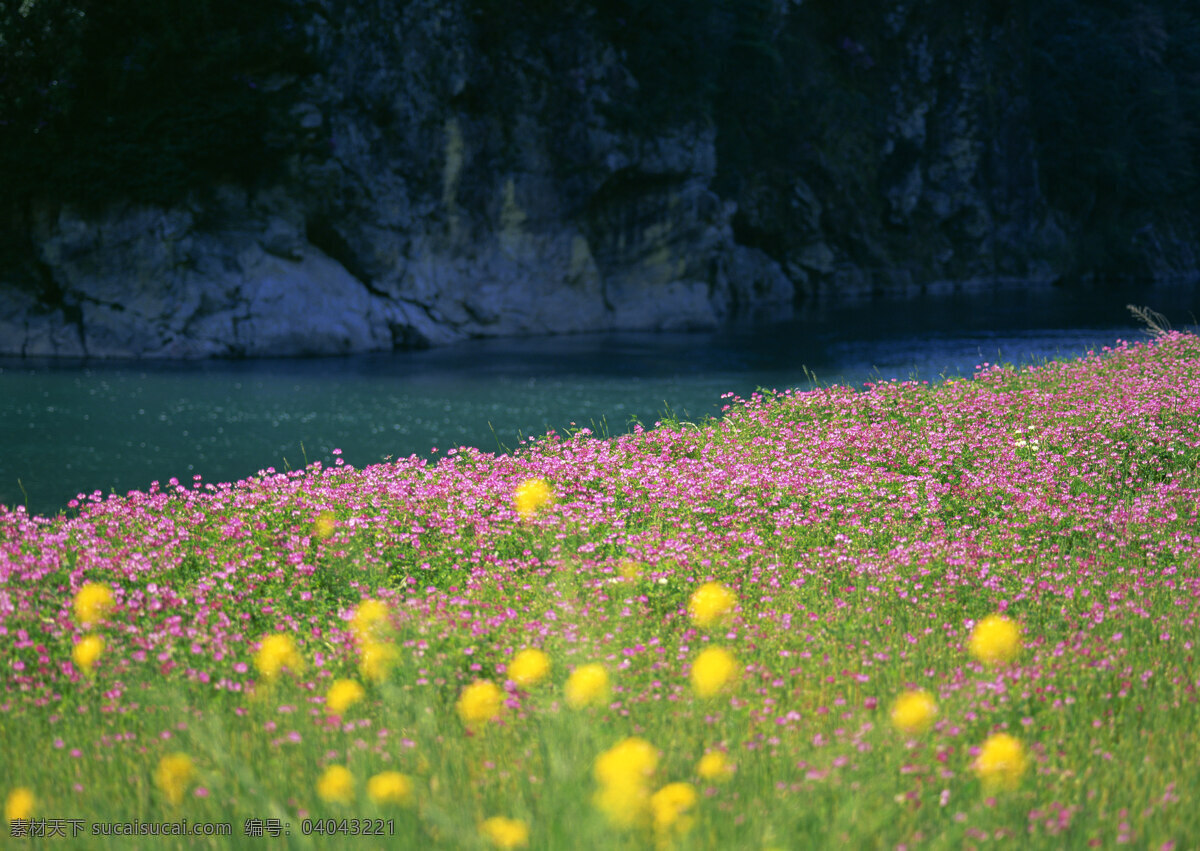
[(913, 712), (623, 774), (710, 604), (628, 762), (375, 661), (714, 670), (278, 651), (324, 525), (92, 603), (624, 806), (529, 667), (370, 621), (342, 695), (587, 686), (530, 496), (670, 806), (19, 804), (336, 785), (1000, 763), (86, 652), (390, 787), (174, 775), (714, 766), (995, 639), (505, 832), (480, 701)]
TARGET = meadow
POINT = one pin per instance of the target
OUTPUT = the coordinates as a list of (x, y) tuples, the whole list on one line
[(959, 615)]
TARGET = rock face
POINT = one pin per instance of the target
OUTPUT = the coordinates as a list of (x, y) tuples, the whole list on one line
[(422, 222), (418, 212)]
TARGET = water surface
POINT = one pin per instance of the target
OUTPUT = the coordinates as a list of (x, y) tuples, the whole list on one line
[(71, 427)]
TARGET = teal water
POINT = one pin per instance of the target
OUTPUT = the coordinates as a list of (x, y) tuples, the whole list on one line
[(68, 428)]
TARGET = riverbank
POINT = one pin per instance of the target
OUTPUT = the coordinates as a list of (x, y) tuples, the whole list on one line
[(863, 536)]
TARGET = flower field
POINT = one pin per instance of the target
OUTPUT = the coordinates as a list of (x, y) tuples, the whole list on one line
[(910, 616)]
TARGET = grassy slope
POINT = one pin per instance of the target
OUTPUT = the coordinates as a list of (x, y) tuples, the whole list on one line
[(863, 532)]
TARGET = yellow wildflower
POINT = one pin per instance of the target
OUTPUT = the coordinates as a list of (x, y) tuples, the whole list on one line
[(86, 652), (93, 602), (669, 806), (342, 695), (587, 686), (480, 701), (629, 762), (390, 787), (625, 805), (710, 604), (336, 785), (714, 766), (324, 525), (174, 775), (714, 669), (530, 496), (375, 661), (1001, 762), (506, 832), (19, 804), (277, 652), (995, 639), (529, 667), (913, 712), (370, 622)]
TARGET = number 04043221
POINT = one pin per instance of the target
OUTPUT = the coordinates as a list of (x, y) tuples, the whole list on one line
[(348, 827)]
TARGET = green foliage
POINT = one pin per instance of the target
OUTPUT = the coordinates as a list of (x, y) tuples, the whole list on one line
[(143, 101)]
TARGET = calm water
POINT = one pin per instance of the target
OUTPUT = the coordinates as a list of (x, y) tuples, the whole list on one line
[(72, 427)]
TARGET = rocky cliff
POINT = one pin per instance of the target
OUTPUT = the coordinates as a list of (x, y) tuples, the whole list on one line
[(450, 177)]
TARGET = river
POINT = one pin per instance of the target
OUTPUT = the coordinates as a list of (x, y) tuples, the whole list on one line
[(71, 427)]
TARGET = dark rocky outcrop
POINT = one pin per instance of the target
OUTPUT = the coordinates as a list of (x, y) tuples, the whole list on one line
[(438, 190)]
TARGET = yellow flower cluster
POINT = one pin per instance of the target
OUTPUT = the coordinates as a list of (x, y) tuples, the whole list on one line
[(324, 525), (714, 766), (371, 625), (19, 804), (390, 787), (370, 621), (995, 639), (587, 686), (1000, 763), (277, 652), (711, 604), (174, 776), (86, 652), (530, 496), (481, 701), (670, 807), (376, 660), (714, 670), (623, 774), (529, 667), (92, 603), (1001, 760), (387, 788), (342, 695), (913, 712), (336, 785), (505, 832)]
